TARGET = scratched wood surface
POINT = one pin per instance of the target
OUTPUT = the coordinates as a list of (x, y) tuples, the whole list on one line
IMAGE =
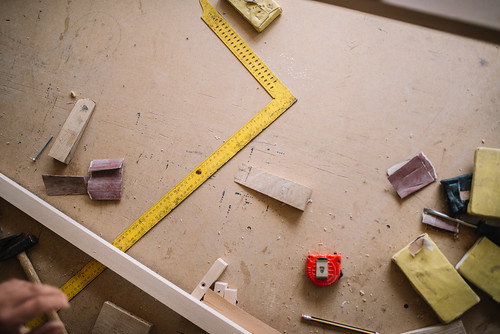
[(371, 92)]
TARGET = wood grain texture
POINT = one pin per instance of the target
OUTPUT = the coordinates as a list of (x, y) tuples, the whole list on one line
[(121, 263), (247, 321), (281, 189), (115, 320), (371, 91), (66, 142)]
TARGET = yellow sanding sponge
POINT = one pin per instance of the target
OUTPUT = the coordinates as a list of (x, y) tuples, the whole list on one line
[(481, 266), (259, 13), (435, 279), (485, 188)]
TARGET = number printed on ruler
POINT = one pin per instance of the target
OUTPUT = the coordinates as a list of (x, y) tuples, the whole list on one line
[(282, 100)]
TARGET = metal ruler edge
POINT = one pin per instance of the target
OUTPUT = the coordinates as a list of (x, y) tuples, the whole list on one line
[(282, 100)]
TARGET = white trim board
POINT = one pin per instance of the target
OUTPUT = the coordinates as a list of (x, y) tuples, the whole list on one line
[(124, 265)]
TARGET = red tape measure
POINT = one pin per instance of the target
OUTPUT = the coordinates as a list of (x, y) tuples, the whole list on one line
[(324, 269)]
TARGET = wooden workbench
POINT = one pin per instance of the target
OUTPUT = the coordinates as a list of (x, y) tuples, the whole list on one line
[(371, 92)]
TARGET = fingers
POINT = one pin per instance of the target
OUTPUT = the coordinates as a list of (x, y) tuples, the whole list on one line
[(42, 299), (15, 292), (51, 327)]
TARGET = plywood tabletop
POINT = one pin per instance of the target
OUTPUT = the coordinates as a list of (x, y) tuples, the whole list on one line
[(371, 92)]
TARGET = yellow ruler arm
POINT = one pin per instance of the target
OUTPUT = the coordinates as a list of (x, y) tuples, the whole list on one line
[(282, 100)]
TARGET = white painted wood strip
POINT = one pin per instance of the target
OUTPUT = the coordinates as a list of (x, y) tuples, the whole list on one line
[(124, 265), (231, 295), (210, 277), (220, 288)]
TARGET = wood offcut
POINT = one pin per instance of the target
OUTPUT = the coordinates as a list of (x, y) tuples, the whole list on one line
[(72, 130), (210, 277), (281, 189), (115, 320), (236, 314)]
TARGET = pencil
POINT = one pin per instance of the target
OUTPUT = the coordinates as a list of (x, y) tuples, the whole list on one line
[(333, 323)]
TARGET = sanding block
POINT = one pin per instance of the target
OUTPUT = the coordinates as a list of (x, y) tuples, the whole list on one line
[(485, 189), (435, 279), (481, 266), (259, 13)]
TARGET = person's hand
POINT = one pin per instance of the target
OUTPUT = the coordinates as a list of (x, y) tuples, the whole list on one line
[(21, 301)]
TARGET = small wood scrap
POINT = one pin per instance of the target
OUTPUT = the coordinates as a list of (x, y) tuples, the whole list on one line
[(456, 327), (72, 130), (65, 185), (220, 288), (210, 277), (114, 320), (105, 181), (236, 314), (439, 223), (223, 290), (231, 295), (286, 191), (413, 175)]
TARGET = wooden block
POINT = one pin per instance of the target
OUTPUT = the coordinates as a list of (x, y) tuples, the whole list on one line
[(105, 182), (236, 314), (231, 295), (65, 185), (72, 130), (283, 190), (456, 327), (259, 13), (485, 189), (220, 288), (114, 320), (412, 175), (210, 277), (435, 279), (481, 266)]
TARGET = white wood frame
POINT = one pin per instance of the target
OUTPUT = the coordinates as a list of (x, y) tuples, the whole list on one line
[(124, 265)]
